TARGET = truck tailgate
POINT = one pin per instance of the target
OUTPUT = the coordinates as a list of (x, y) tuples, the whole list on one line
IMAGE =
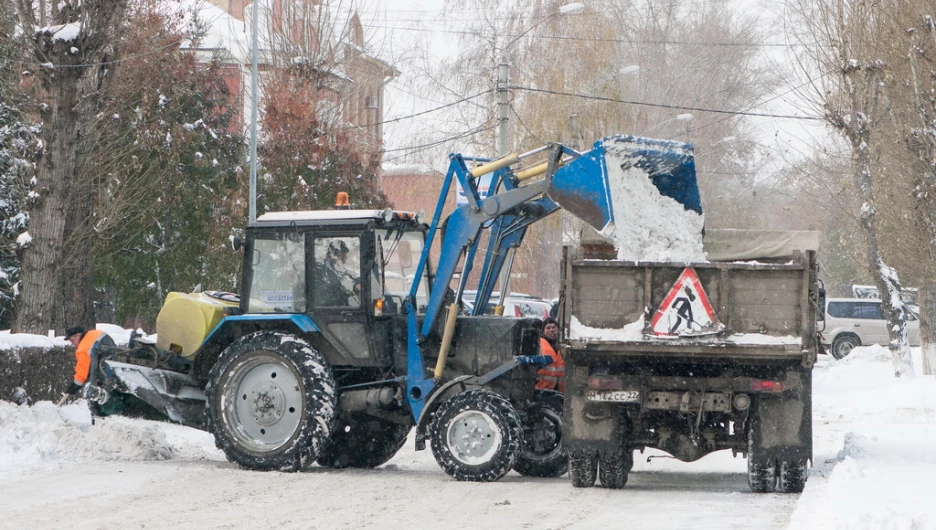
[(765, 308)]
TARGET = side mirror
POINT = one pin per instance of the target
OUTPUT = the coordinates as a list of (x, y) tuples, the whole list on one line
[(236, 242), (822, 303)]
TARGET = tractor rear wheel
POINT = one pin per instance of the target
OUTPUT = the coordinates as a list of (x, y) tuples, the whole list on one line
[(476, 436), (271, 402), (362, 440)]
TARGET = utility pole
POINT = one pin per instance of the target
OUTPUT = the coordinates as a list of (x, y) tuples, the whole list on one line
[(252, 200), (503, 120)]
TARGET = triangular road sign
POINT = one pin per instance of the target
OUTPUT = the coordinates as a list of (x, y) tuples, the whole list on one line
[(686, 310)]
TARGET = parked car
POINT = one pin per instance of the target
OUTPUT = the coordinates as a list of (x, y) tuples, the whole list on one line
[(851, 322), (517, 305)]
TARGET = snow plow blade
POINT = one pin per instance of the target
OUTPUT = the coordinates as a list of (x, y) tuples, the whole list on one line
[(582, 186), (175, 395)]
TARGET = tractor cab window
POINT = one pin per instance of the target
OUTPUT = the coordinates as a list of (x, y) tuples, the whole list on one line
[(278, 281), (336, 272), (401, 252)]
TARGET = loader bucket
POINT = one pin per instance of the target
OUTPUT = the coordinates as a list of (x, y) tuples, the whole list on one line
[(583, 186)]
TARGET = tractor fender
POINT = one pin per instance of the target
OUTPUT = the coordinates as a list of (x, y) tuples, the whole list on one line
[(233, 327), (441, 392)]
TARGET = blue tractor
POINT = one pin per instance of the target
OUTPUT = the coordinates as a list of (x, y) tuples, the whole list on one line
[(344, 337)]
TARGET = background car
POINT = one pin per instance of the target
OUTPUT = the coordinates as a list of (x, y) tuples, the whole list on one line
[(851, 322), (517, 305)]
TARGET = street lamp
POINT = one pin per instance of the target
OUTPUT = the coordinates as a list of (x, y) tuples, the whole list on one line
[(503, 118)]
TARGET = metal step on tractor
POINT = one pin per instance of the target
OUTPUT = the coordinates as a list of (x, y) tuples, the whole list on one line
[(345, 337)]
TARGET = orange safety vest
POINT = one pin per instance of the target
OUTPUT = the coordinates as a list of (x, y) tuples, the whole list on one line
[(552, 376), (83, 353)]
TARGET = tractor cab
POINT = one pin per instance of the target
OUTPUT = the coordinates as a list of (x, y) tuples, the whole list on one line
[(349, 271)]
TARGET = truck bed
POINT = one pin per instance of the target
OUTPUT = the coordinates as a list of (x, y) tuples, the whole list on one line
[(764, 307)]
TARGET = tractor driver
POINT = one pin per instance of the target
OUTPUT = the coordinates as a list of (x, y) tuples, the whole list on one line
[(336, 262)]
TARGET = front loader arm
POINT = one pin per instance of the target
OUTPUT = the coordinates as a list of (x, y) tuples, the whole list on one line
[(462, 231)]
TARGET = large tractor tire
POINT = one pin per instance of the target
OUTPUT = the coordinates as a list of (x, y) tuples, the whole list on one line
[(583, 468), (476, 436), (364, 441), (271, 402), (613, 467), (542, 453)]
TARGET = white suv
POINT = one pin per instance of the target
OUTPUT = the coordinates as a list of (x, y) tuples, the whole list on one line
[(851, 322)]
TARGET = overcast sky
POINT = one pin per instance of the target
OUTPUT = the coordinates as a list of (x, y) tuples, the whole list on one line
[(400, 26)]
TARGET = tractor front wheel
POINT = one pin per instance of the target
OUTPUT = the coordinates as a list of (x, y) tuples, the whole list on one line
[(476, 436)]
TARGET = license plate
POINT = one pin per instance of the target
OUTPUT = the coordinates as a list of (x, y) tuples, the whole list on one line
[(618, 396)]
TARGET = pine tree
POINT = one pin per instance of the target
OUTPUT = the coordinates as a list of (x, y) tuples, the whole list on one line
[(172, 190), (17, 141)]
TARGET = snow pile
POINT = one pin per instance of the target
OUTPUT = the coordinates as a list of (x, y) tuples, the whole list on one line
[(18, 341), (874, 453), (648, 226), (632, 331), (32, 437)]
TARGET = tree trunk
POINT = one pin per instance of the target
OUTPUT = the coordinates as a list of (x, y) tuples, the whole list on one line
[(927, 300), (76, 74), (47, 215), (884, 277)]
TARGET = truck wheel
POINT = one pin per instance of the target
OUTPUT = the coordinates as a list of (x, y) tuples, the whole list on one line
[(363, 441), (761, 471), (541, 454), (476, 436), (583, 468), (843, 345), (613, 468), (271, 402), (792, 475)]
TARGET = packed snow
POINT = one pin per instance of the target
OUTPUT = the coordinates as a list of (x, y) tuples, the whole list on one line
[(648, 226), (873, 462)]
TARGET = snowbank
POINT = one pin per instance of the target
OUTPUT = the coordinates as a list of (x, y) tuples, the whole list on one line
[(43, 435), (875, 446)]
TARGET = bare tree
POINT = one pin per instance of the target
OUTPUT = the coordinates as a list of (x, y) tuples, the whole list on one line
[(74, 54), (847, 49)]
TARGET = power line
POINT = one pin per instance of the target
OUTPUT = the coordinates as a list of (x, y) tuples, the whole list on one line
[(415, 148), (665, 106), (599, 39), (462, 100)]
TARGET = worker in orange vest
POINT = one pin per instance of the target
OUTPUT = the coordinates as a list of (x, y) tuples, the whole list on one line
[(552, 376), (87, 344)]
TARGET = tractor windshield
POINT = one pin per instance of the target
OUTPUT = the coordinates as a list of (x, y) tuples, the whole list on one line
[(278, 274), (401, 252)]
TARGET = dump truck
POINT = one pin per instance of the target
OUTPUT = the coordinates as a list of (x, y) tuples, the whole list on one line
[(691, 358), (347, 334)]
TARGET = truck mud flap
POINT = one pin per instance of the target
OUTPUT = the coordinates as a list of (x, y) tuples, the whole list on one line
[(783, 429)]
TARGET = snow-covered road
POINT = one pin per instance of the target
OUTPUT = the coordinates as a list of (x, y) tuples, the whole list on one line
[(874, 459), (408, 492)]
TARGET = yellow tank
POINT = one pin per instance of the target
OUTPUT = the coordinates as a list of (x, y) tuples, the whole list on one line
[(186, 319)]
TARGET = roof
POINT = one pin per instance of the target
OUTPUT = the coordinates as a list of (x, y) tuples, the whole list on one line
[(312, 217)]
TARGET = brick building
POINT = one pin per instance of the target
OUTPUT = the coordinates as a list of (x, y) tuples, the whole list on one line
[(305, 32)]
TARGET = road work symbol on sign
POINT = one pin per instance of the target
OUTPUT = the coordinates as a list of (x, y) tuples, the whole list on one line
[(686, 310)]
